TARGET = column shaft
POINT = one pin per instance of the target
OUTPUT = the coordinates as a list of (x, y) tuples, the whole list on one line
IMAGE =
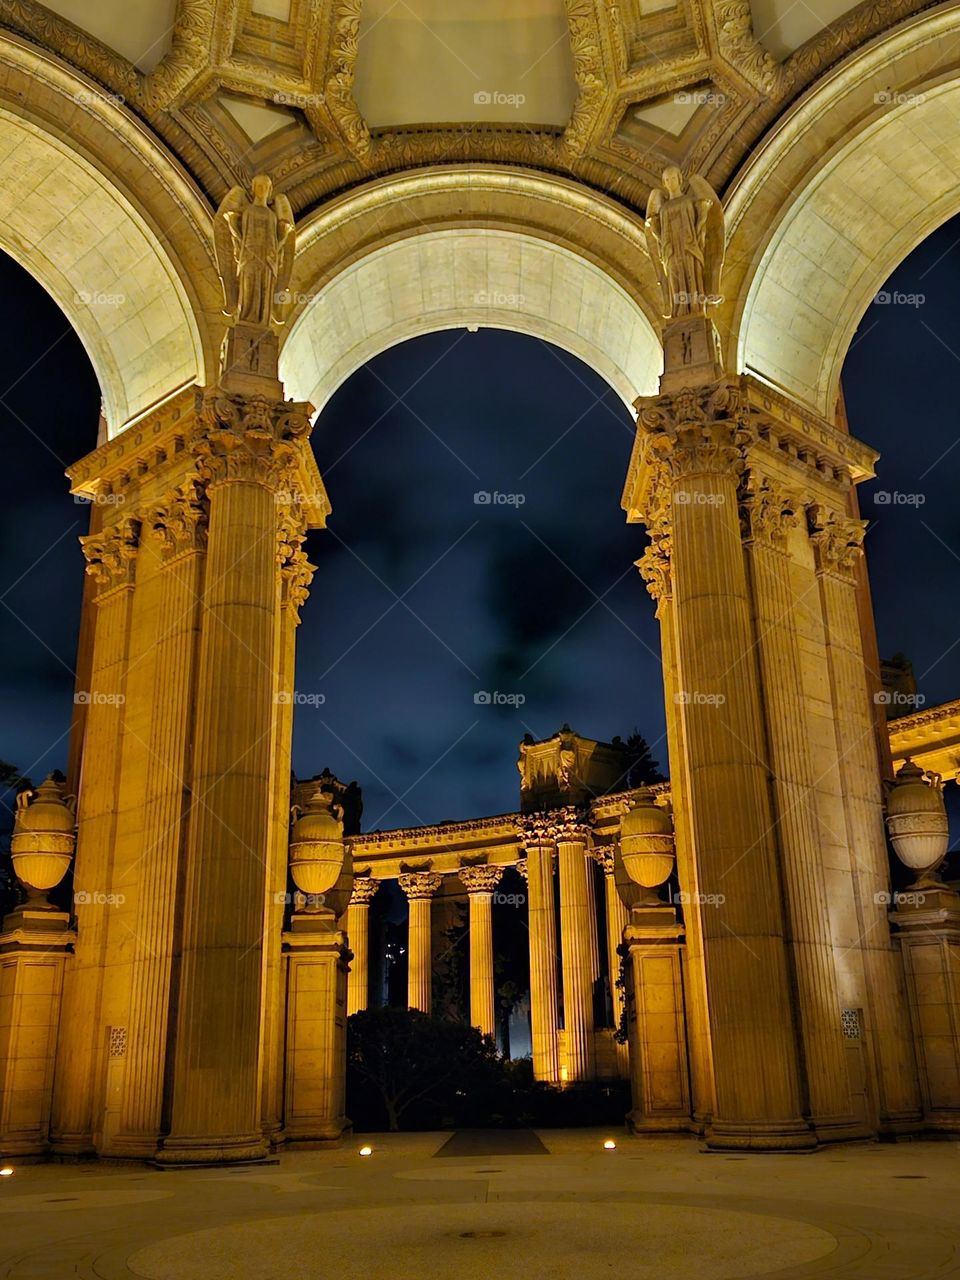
[(616, 923), (542, 925), (480, 882), (358, 932), (576, 956), (420, 886)]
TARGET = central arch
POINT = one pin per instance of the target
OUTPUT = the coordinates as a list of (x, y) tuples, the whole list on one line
[(484, 247)]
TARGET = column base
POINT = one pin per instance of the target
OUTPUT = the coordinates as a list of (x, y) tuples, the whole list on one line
[(842, 1130), (788, 1136), (196, 1151), (325, 1133), (638, 1124)]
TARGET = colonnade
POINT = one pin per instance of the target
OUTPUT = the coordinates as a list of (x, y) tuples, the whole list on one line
[(554, 851)]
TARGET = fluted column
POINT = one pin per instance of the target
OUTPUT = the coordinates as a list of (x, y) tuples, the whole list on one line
[(537, 835), (769, 514), (480, 883), (111, 561), (698, 439), (358, 931), (420, 886), (616, 917), (837, 545), (178, 531), (245, 457), (575, 950), (293, 582)]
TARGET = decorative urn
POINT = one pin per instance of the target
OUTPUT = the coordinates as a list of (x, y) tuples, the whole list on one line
[(917, 821), (43, 837), (318, 853), (646, 842)]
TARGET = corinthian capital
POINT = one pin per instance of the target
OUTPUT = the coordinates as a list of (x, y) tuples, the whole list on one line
[(420, 884), (697, 430), (654, 566), (536, 829), (572, 826), (181, 523), (111, 556), (296, 571), (837, 541), (480, 879), (249, 439), (767, 512), (364, 890)]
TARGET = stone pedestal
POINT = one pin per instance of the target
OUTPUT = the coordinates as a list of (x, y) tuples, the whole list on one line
[(317, 963), (928, 926), (250, 361), (655, 1020), (33, 951), (691, 353)]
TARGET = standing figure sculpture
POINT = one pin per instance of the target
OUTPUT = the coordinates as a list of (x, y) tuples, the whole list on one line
[(685, 238), (254, 241)]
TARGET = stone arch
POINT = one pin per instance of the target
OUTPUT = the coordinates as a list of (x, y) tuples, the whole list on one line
[(491, 247), (105, 220), (855, 175)]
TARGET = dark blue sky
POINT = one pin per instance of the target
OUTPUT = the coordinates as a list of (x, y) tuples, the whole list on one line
[(423, 597)]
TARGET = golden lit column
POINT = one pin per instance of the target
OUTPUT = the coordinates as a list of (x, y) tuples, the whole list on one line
[(245, 456), (420, 886), (769, 515), (695, 440), (616, 917), (837, 545), (81, 1049), (654, 567), (537, 835), (572, 836), (358, 931), (480, 883), (178, 538), (293, 582)]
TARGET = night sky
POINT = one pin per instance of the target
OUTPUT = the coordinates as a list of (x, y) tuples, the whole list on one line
[(425, 598)]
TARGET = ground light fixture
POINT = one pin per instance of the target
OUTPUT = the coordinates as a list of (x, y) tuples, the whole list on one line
[(609, 1145), (365, 1151), (6, 1171)]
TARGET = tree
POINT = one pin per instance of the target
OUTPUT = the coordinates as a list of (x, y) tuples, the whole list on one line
[(416, 1065), (642, 769)]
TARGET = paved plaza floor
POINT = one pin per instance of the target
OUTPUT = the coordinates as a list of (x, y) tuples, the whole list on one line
[(568, 1209)]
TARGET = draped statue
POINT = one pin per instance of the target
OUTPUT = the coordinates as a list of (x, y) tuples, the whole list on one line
[(685, 237), (255, 240)]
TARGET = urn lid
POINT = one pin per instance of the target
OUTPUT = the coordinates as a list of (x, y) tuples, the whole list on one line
[(46, 812), (645, 818), (912, 792), (320, 819)]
